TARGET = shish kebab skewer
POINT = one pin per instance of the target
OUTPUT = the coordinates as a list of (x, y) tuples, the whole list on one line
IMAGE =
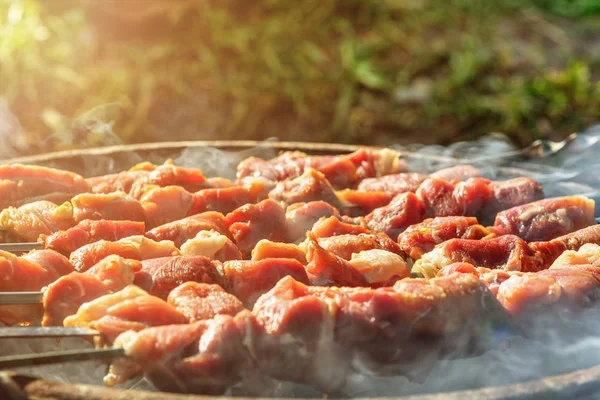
[(16, 298)]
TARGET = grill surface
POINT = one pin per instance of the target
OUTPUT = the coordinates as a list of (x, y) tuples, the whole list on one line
[(581, 384)]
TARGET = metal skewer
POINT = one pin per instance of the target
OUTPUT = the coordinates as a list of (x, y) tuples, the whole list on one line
[(21, 247), (15, 298), (46, 332), (59, 357)]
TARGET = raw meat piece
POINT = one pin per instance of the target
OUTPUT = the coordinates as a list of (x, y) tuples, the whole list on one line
[(248, 280), (202, 357), (345, 245), (506, 252), (129, 309), (168, 174), (358, 203), (89, 231), (547, 252), (369, 265), (225, 200), (332, 226), (342, 171), (24, 274), (64, 296), (546, 219), (267, 249), (312, 185), (442, 198), (421, 238), (213, 245), (509, 194), (29, 221), (115, 272), (181, 230), (113, 206), (393, 184), (50, 260), (119, 182), (134, 247), (404, 210), (301, 217), (22, 184), (166, 273), (162, 205), (201, 301), (253, 222)]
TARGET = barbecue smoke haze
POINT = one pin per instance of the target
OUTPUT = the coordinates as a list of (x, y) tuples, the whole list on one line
[(558, 343)]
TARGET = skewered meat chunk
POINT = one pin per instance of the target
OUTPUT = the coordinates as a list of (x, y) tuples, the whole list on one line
[(369, 265), (508, 252), (115, 272), (89, 231), (213, 245), (113, 206), (202, 301), (421, 238), (31, 220), (547, 252), (404, 210), (162, 205), (248, 280), (134, 247), (267, 249), (129, 309), (50, 260), (64, 296), (345, 246), (31, 272), (27, 274), (217, 183), (225, 200), (587, 258), (333, 226), (509, 194), (342, 171), (393, 184), (187, 228), (161, 275), (301, 217), (168, 174), (253, 222), (312, 185), (442, 198), (457, 173), (21, 184), (572, 281), (203, 357), (119, 182), (312, 333), (358, 203), (546, 219)]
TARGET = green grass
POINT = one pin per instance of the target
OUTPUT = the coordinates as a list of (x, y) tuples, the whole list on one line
[(359, 71)]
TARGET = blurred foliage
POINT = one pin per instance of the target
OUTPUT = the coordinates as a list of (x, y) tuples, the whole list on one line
[(362, 71)]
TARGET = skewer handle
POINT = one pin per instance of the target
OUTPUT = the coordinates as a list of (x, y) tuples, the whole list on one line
[(59, 357)]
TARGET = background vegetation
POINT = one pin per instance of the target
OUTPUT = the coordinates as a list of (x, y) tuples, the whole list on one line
[(79, 73)]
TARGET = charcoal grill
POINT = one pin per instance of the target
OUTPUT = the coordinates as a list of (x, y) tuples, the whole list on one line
[(583, 383)]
